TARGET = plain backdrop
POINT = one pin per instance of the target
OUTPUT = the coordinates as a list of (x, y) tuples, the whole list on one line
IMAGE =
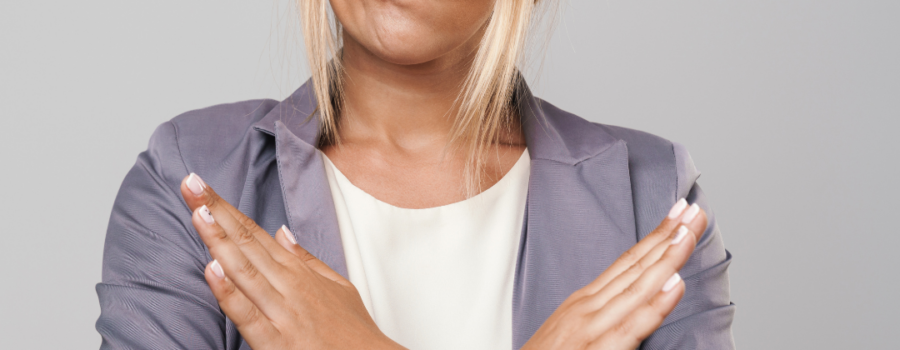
[(790, 109)]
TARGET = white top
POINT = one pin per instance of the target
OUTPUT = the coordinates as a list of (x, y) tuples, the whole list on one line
[(436, 278)]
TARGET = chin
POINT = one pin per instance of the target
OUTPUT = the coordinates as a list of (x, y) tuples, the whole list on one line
[(408, 52), (408, 38)]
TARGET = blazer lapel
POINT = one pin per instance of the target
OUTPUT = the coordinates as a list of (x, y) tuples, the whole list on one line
[(579, 214), (579, 209), (307, 196)]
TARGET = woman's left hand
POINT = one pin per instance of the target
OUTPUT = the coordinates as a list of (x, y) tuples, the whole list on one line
[(277, 294)]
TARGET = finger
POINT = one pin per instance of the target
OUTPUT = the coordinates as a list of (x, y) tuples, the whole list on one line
[(638, 251), (643, 321), (285, 237), (692, 220), (210, 228), (192, 190), (197, 193), (245, 315), (240, 270), (642, 289), (253, 240)]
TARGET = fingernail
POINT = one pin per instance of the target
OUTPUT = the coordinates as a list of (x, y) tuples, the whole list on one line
[(690, 214), (288, 234), (677, 208), (682, 232), (206, 215), (672, 282), (217, 269), (196, 184)]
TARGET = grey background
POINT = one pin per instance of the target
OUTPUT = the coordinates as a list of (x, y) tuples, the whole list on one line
[(790, 110)]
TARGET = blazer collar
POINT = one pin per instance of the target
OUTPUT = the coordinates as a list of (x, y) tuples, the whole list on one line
[(297, 113), (563, 137), (308, 203), (553, 134)]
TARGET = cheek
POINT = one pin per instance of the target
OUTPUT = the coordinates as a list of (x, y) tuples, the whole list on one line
[(413, 31)]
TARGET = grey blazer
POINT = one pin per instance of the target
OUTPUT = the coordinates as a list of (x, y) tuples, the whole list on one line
[(595, 190)]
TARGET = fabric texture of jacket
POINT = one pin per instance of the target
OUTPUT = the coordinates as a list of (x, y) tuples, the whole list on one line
[(594, 191)]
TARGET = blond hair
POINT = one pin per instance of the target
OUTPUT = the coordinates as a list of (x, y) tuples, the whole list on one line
[(485, 103)]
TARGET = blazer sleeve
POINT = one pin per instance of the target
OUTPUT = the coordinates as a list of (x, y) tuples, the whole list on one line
[(153, 294), (702, 319)]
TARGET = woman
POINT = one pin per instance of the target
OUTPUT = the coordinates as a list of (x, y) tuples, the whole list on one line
[(420, 197)]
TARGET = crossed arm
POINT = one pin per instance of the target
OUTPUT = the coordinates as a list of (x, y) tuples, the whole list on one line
[(279, 296)]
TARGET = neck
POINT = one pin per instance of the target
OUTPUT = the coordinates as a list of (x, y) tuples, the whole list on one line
[(406, 105)]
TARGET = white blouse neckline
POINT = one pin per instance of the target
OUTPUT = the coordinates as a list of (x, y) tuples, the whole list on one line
[(346, 184)]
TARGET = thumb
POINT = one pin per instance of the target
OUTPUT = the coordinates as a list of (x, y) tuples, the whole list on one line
[(286, 238)]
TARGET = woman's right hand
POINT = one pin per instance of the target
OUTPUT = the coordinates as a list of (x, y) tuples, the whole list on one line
[(629, 300)]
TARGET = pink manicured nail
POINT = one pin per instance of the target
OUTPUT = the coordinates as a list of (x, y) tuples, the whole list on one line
[(206, 215), (195, 184), (672, 282), (217, 269), (288, 234), (677, 208), (682, 232), (690, 214)]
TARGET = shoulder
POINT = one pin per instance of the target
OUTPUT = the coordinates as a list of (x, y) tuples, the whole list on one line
[(644, 149), (649, 152), (209, 132), (214, 128), (649, 156), (216, 139)]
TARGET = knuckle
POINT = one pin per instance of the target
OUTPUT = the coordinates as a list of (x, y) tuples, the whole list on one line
[(246, 221), (252, 316), (569, 325), (584, 305), (655, 305), (584, 319), (635, 269), (220, 234), (672, 258), (623, 329), (293, 263), (306, 256), (216, 235), (660, 231), (228, 291), (628, 256), (248, 270), (212, 200), (659, 310), (632, 290), (578, 331), (578, 295), (243, 236), (637, 266)]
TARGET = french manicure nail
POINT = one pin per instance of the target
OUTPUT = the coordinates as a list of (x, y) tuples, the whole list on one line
[(288, 234), (682, 231), (677, 208), (690, 214), (217, 269), (206, 215), (195, 184), (672, 282)]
